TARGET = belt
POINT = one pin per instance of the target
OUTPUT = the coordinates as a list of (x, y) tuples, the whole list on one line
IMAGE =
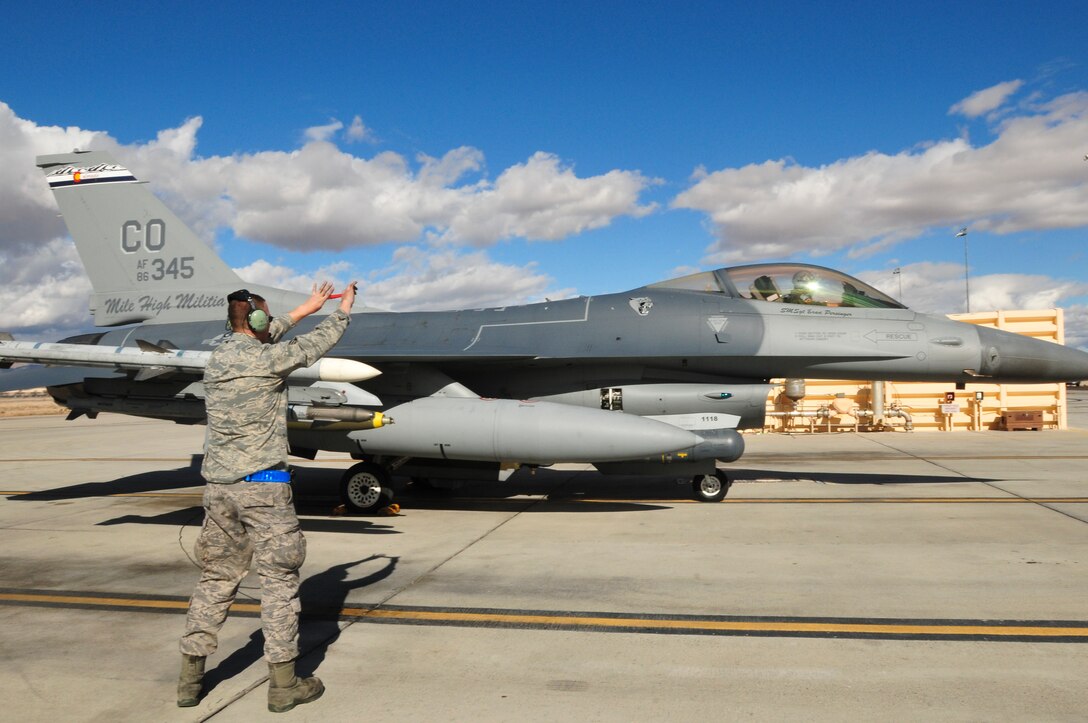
[(268, 475)]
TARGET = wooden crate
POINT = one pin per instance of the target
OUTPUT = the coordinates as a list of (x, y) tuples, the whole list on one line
[(1023, 419)]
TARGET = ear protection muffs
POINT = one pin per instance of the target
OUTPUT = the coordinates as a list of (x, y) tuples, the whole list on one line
[(256, 319)]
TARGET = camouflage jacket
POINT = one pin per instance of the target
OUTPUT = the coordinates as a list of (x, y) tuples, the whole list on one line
[(246, 396)]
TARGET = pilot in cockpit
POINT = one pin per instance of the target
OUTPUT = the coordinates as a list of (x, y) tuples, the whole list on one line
[(805, 284)]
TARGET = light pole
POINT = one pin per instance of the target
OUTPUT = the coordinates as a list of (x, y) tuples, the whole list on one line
[(966, 283), (899, 273)]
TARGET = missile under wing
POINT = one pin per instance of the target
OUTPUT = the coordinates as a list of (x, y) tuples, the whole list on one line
[(658, 379)]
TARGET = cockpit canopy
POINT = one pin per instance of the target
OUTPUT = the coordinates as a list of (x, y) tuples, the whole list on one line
[(786, 284)]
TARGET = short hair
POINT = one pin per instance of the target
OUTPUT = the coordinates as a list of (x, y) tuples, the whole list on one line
[(238, 310)]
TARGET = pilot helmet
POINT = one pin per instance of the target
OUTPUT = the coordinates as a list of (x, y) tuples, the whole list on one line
[(805, 279)]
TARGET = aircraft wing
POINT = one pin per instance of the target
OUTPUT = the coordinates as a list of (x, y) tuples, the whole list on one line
[(35, 376), (149, 360)]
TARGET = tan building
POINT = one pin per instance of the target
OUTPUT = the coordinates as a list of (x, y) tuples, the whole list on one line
[(928, 406)]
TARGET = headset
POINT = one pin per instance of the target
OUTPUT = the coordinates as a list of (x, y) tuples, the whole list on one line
[(257, 319)]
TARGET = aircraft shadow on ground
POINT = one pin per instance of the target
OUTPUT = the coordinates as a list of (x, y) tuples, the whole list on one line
[(194, 516), (540, 490), (323, 596), (154, 481), (317, 491), (590, 491), (850, 478)]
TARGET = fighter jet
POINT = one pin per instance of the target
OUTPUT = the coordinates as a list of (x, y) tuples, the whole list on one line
[(657, 380)]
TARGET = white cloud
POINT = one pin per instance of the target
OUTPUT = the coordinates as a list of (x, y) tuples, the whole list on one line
[(319, 196), (43, 288), (192, 189), (541, 199), (1030, 176), (1076, 326), (938, 288), (421, 280), (315, 197), (28, 214), (42, 283), (285, 277), (353, 133), (325, 132), (357, 132), (986, 100)]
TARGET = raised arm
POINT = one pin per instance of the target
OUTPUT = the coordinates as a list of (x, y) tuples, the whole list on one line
[(307, 348), (317, 299)]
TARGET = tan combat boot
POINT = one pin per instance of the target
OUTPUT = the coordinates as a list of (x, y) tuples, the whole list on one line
[(286, 690), (190, 681)]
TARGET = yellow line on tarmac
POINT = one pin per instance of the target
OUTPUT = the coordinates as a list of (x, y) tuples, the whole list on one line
[(620, 622), (909, 500), (97, 601), (847, 500), (95, 459), (45, 493), (717, 625)]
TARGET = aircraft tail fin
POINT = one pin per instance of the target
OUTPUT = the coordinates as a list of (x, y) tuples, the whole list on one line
[(143, 261)]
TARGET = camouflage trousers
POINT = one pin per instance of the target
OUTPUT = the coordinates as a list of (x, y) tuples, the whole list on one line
[(245, 522)]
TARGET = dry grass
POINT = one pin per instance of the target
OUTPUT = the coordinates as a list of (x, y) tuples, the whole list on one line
[(28, 403)]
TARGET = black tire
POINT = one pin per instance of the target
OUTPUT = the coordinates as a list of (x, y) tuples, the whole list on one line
[(365, 487), (710, 487)]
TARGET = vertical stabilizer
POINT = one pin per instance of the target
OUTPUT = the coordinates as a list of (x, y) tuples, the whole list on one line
[(143, 261)]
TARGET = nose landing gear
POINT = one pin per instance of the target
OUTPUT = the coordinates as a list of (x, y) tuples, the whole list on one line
[(365, 487), (710, 487)]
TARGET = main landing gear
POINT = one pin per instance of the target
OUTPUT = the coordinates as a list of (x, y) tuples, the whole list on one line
[(710, 487), (366, 487)]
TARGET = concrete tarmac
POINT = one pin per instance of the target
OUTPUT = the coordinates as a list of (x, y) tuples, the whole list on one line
[(892, 575)]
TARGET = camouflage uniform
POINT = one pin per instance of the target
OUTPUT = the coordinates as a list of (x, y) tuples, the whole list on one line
[(246, 399)]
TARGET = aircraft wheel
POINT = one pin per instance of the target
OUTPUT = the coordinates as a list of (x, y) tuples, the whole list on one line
[(710, 487), (365, 487)]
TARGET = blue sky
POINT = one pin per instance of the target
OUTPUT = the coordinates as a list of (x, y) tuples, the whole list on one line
[(577, 147)]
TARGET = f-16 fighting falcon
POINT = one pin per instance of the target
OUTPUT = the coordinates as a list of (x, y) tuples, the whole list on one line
[(657, 380)]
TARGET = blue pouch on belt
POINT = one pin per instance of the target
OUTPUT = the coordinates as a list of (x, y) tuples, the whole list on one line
[(268, 475)]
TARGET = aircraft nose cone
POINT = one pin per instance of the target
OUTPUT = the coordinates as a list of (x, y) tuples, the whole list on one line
[(1016, 358)]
